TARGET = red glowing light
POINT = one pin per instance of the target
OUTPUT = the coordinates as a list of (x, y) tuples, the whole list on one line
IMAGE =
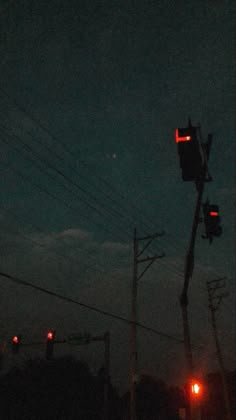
[(214, 213), (196, 388), (181, 138), (15, 339), (50, 335)]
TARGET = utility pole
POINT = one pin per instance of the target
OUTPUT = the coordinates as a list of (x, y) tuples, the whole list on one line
[(133, 333), (194, 157), (188, 272), (84, 339), (106, 339), (215, 296)]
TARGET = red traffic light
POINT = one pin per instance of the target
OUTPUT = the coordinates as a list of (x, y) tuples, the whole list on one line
[(214, 213), (15, 339), (179, 137), (50, 344), (196, 389), (50, 335)]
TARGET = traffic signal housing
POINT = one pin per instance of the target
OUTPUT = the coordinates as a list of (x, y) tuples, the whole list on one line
[(212, 221), (50, 344), (15, 342), (190, 153)]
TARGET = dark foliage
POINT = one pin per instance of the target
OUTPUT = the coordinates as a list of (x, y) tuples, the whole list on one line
[(155, 400), (59, 389)]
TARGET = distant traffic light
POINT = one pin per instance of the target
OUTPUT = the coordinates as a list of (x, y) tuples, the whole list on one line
[(50, 344), (211, 220), (196, 389), (15, 341), (190, 154)]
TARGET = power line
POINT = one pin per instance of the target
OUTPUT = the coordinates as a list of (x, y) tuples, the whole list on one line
[(60, 254), (171, 268), (29, 179), (89, 307), (64, 146), (36, 121), (61, 159), (59, 172), (68, 179), (55, 139)]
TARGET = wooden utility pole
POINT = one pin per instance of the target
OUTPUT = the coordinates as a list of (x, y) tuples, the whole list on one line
[(189, 265), (215, 298), (133, 333), (107, 375), (188, 271)]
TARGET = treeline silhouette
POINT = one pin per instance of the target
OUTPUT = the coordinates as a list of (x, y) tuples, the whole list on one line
[(60, 389)]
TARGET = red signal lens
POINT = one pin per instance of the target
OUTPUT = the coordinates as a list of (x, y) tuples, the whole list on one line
[(196, 389), (179, 138), (50, 335), (214, 213), (15, 339)]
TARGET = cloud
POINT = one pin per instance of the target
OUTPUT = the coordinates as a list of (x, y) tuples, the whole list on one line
[(116, 246), (75, 234)]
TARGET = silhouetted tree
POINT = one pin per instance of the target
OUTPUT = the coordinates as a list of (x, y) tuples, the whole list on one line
[(59, 389), (154, 400)]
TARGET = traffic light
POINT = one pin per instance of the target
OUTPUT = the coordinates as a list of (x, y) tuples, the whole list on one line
[(190, 153), (50, 344), (15, 341), (212, 221), (196, 390)]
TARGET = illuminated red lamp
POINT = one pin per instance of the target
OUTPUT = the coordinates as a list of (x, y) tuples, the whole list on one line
[(214, 213), (50, 335), (179, 138), (196, 389), (50, 344), (15, 341)]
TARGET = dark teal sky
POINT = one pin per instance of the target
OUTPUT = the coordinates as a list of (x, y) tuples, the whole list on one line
[(110, 81)]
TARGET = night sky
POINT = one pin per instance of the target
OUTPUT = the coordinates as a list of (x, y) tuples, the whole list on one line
[(90, 95)]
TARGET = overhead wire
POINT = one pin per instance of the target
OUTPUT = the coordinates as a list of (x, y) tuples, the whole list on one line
[(51, 135), (24, 142), (59, 172), (172, 269), (68, 179), (56, 140), (56, 252), (29, 179), (85, 216), (100, 311)]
